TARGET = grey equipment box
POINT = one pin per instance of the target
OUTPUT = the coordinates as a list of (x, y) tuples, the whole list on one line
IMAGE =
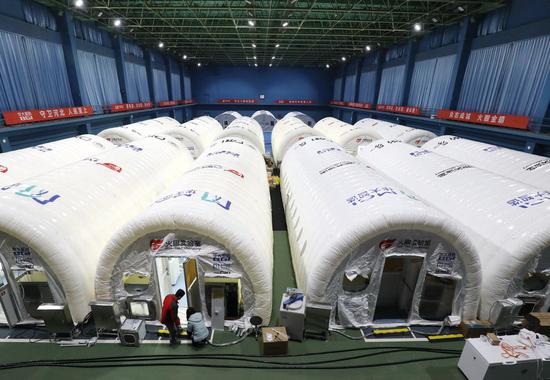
[(132, 332), (57, 318), (317, 320), (106, 315), (293, 319)]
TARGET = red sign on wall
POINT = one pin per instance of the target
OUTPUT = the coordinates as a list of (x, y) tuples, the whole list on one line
[(123, 107), (305, 101), (168, 103), (366, 106), (409, 110), (337, 103), (512, 121), (186, 101), (237, 101), (34, 116)]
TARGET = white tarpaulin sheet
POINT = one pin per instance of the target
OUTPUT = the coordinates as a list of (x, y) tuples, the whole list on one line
[(528, 168), (64, 218), (345, 222), (24, 163), (219, 213), (508, 221), (391, 131)]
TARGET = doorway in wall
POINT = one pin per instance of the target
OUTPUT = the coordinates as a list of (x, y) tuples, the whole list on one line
[(397, 287), (179, 272)]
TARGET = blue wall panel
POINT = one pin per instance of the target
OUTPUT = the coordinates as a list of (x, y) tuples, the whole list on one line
[(219, 82)]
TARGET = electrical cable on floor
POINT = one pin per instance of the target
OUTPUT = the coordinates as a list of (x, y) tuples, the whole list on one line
[(230, 343), (350, 336), (110, 362), (168, 364)]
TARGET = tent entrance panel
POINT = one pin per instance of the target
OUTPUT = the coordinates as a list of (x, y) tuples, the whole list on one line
[(436, 300), (232, 295), (8, 304), (397, 288)]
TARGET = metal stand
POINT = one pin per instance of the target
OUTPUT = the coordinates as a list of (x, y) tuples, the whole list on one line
[(256, 321)]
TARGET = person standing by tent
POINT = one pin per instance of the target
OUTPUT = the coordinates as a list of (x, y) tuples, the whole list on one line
[(169, 316)]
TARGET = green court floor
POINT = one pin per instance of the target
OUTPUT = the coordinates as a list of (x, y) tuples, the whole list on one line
[(444, 367)]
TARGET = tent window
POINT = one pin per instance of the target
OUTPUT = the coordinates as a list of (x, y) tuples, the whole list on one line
[(535, 282), (355, 284)]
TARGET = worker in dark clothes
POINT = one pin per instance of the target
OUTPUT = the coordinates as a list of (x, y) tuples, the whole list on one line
[(169, 316)]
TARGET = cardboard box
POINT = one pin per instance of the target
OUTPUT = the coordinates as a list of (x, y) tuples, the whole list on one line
[(274, 341), (539, 322), (475, 328)]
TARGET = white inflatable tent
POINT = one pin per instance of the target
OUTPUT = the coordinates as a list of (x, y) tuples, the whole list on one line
[(199, 134), (508, 221), (306, 119), (246, 128), (371, 250), (286, 132), (227, 117), (391, 131), (525, 167), (53, 227), (266, 119), (29, 162), (348, 136), (135, 131), (212, 228)]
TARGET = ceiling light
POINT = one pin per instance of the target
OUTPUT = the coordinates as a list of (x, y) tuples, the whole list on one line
[(368, 48), (117, 22), (273, 57), (79, 3), (434, 19), (417, 27), (255, 65), (184, 56), (277, 45), (253, 45), (271, 64), (327, 66), (248, 2), (285, 24), (161, 45), (100, 14), (254, 57), (343, 59), (460, 8), (251, 22), (199, 64)]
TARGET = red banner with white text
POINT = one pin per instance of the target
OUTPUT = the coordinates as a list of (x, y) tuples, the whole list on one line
[(294, 101), (123, 107), (511, 121), (237, 101), (408, 110), (34, 116)]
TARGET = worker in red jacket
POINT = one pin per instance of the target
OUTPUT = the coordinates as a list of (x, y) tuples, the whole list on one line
[(169, 316)]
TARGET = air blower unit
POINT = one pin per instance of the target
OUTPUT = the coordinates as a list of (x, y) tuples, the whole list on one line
[(132, 332), (504, 312)]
